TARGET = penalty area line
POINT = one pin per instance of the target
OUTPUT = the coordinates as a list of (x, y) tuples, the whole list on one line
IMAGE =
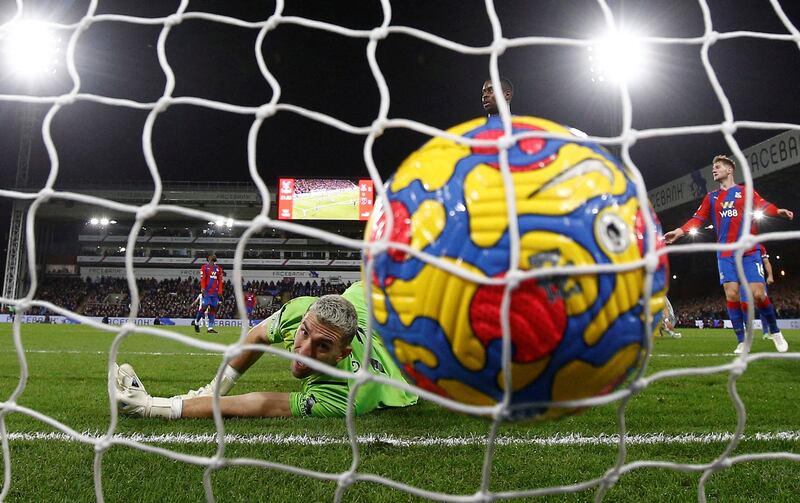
[(305, 440)]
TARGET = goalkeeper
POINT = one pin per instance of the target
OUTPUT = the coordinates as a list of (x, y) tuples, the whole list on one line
[(330, 329)]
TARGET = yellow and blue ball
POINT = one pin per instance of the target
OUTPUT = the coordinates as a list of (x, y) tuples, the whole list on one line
[(573, 336)]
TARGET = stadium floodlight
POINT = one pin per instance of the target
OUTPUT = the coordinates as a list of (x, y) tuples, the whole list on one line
[(104, 221), (777, 257), (31, 49), (210, 223), (229, 222), (94, 221), (674, 276), (693, 231), (617, 57), (758, 214), (709, 227), (219, 223), (122, 249), (112, 222)]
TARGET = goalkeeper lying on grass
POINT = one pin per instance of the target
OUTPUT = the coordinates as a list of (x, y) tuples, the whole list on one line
[(329, 329)]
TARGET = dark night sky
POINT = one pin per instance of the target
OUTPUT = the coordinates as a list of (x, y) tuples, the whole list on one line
[(329, 73)]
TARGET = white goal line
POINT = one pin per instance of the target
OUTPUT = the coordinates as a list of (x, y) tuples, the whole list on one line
[(305, 440)]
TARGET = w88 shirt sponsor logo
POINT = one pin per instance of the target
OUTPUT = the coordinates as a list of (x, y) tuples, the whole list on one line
[(728, 210)]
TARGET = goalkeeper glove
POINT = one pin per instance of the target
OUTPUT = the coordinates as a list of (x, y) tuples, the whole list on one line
[(229, 377), (133, 400)]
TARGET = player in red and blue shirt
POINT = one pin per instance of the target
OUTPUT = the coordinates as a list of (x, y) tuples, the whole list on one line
[(725, 209), (211, 288), (250, 302)]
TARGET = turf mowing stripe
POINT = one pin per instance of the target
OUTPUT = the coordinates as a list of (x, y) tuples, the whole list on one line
[(555, 440), (166, 353)]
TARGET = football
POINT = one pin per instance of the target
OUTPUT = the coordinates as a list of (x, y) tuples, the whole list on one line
[(573, 335)]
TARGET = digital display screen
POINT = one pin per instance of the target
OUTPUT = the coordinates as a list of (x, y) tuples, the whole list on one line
[(324, 199)]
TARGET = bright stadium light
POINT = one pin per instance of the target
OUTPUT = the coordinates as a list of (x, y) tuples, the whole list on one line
[(219, 223), (94, 221), (674, 276), (229, 222), (693, 231), (31, 49), (758, 214), (104, 221), (112, 222), (617, 57)]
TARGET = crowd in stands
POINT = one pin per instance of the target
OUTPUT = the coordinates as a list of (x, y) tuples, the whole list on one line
[(62, 291), (178, 252), (302, 186), (170, 298), (785, 296), (119, 251)]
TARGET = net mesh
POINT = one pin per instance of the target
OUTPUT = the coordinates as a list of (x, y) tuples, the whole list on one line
[(56, 104)]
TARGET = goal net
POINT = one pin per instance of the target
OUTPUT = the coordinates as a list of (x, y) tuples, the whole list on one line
[(266, 26)]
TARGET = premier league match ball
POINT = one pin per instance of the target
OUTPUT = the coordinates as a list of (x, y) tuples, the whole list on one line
[(573, 336)]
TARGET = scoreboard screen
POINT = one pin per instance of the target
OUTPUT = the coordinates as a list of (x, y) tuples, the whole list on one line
[(324, 199)]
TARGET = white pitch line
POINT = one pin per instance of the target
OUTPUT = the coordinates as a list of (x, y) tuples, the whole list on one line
[(82, 352), (554, 440)]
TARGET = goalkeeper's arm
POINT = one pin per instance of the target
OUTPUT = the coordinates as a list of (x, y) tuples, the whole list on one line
[(257, 404), (134, 400), (240, 363)]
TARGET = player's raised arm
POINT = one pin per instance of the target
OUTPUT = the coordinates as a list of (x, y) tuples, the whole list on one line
[(701, 215), (673, 235), (770, 209)]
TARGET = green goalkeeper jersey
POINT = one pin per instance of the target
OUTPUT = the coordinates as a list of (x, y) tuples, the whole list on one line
[(326, 396)]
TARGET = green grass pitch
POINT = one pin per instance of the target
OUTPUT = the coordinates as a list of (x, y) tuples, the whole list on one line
[(326, 206), (424, 446)]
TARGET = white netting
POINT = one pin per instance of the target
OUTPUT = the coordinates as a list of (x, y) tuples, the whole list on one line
[(370, 132)]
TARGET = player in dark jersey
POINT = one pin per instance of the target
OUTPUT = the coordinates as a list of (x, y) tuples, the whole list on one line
[(725, 209), (489, 97), (211, 276), (330, 330)]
